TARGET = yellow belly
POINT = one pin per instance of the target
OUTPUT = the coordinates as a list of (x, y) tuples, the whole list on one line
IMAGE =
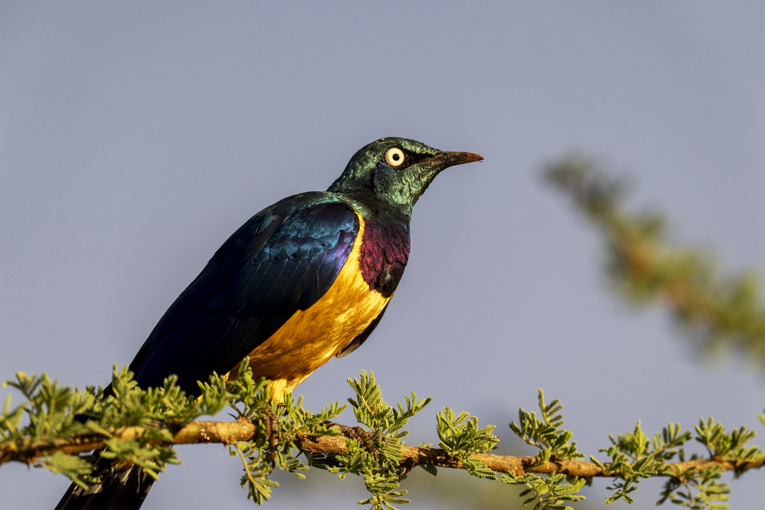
[(311, 337)]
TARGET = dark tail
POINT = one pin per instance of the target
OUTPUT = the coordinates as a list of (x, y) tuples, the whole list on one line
[(121, 488)]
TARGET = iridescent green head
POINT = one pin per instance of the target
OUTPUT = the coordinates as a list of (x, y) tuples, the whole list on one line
[(396, 171)]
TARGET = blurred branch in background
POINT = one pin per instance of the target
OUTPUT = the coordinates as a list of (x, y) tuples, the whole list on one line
[(722, 312)]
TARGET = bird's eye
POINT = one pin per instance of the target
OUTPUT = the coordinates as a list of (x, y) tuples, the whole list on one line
[(394, 156)]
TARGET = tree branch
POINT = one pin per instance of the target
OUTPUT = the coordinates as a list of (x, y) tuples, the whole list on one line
[(225, 432), (242, 430)]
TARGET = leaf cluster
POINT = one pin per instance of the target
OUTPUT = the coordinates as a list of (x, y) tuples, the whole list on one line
[(545, 433), (381, 465), (635, 456), (53, 413), (548, 492), (50, 410), (460, 437)]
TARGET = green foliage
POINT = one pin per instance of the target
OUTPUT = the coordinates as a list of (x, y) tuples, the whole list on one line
[(635, 456), (697, 490), (54, 412), (49, 409), (137, 426), (719, 311), (71, 466), (701, 489), (549, 492), (460, 436), (370, 409), (381, 467), (728, 446), (546, 433), (57, 413), (278, 427)]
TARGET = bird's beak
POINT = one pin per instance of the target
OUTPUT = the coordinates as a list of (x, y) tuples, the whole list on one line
[(447, 159)]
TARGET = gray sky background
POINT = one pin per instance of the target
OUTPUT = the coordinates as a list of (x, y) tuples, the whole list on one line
[(135, 138)]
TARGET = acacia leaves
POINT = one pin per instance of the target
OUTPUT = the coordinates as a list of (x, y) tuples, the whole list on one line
[(55, 423), (548, 492)]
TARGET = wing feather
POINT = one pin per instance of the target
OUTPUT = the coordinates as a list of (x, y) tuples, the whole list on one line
[(282, 260)]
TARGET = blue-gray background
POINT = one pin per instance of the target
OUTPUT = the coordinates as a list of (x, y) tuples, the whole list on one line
[(134, 138)]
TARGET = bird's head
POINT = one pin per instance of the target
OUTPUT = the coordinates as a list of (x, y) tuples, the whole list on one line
[(395, 171)]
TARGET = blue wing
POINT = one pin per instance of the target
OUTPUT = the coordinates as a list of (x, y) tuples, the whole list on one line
[(282, 260)]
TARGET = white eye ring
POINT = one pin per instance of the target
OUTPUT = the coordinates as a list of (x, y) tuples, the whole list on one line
[(394, 156)]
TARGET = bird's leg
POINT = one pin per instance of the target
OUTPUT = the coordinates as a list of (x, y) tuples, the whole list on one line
[(271, 433)]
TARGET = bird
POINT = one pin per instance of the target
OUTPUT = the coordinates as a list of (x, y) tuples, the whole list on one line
[(302, 281)]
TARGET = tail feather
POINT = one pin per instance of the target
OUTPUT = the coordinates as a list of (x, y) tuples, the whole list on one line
[(121, 488)]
